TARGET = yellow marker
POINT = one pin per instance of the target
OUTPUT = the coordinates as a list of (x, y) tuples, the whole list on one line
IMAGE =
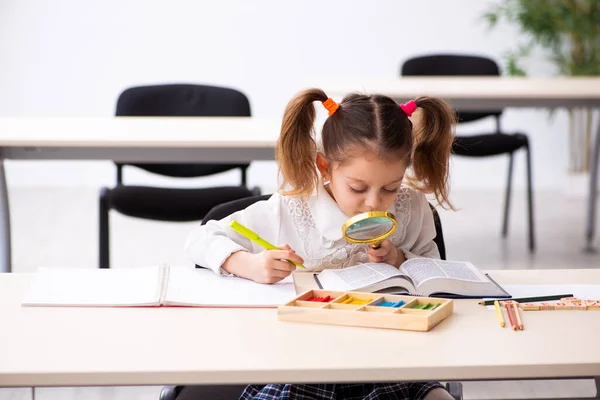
[(242, 230), (499, 313)]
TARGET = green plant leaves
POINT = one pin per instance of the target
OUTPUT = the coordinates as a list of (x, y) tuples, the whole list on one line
[(568, 30)]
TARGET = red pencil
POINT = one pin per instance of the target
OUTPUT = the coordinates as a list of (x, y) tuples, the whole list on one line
[(511, 317)]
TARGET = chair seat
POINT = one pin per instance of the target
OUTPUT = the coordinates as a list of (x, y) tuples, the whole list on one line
[(187, 170), (167, 204), (205, 392), (488, 144)]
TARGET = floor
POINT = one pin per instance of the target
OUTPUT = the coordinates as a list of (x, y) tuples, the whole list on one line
[(46, 221)]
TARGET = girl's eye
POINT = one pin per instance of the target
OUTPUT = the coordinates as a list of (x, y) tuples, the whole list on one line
[(390, 190), (357, 190)]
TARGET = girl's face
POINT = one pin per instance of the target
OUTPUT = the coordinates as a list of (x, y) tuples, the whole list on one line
[(363, 183)]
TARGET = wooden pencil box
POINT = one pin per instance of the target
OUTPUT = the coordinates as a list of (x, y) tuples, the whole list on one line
[(370, 310)]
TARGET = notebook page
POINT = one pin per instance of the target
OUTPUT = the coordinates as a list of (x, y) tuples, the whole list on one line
[(200, 287), (88, 287)]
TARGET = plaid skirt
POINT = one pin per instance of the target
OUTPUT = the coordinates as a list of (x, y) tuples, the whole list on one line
[(346, 391)]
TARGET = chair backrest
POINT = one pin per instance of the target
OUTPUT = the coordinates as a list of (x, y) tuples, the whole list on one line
[(223, 210), (439, 233), (452, 65), (182, 100)]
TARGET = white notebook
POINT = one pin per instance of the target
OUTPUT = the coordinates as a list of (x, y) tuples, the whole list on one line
[(151, 286)]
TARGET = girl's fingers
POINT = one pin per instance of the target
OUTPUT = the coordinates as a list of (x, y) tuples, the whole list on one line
[(286, 255), (385, 247), (281, 269), (283, 266)]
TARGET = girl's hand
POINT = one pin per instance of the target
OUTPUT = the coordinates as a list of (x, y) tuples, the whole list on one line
[(268, 266), (387, 253)]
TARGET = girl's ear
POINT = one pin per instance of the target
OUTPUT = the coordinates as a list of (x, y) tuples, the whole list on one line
[(323, 165)]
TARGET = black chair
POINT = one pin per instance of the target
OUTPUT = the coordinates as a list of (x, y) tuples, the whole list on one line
[(233, 392), (481, 145), (169, 204)]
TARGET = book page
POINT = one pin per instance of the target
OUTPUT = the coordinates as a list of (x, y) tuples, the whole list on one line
[(356, 277), (56, 286), (203, 288), (423, 269), (305, 281)]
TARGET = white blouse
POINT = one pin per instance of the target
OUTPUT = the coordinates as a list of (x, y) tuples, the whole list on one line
[(313, 228)]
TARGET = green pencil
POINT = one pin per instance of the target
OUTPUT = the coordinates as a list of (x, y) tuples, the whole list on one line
[(529, 299)]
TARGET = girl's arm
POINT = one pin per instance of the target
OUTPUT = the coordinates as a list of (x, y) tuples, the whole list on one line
[(211, 245), (422, 223)]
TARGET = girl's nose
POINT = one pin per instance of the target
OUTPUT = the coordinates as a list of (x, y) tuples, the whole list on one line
[(373, 202)]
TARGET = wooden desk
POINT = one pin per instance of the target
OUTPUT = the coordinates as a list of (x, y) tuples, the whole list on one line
[(489, 93), (171, 140), (153, 346)]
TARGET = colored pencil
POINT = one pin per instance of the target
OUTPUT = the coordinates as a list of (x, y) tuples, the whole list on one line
[(529, 299), (499, 313), (518, 315), (509, 311)]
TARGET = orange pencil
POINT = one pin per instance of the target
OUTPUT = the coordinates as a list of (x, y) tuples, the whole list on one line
[(510, 311), (519, 320)]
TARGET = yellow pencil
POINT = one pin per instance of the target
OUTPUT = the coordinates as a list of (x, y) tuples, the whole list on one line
[(519, 320), (499, 313)]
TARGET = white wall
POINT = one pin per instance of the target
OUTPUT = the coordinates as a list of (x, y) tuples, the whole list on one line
[(72, 58)]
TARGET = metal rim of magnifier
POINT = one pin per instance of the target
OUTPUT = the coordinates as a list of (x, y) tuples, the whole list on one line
[(367, 215)]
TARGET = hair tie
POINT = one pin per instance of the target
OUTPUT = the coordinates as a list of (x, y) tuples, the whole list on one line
[(409, 107), (331, 106)]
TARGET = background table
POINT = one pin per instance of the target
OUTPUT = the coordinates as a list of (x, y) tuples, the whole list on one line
[(140, 139)]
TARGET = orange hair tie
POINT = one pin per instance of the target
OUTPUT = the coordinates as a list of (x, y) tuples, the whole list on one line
[(331, 106)]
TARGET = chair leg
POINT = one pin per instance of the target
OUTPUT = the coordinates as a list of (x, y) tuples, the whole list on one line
[(244, 176), (455, 389), (530, 200), (507, 196), (104, 238), (169, 392)]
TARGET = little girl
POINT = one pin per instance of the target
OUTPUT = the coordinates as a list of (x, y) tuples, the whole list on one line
[(370, 148)]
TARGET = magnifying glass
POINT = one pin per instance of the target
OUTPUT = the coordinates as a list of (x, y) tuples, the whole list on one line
[(370, 228)]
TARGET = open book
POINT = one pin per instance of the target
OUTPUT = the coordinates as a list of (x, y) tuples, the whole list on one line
[(151, 286), (422, 276)]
